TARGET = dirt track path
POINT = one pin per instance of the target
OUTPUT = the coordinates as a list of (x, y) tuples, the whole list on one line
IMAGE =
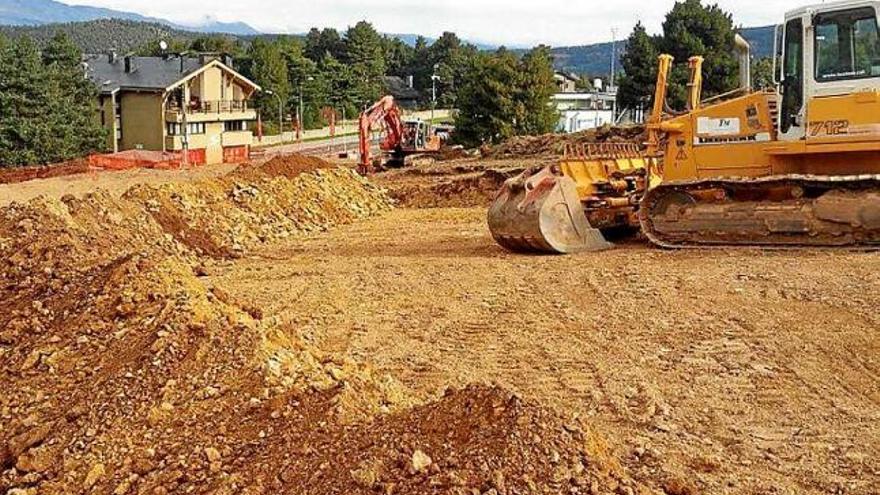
[(716, 372)]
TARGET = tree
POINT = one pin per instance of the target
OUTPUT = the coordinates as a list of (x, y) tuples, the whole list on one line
[(269, 70), (762, 73), (502, 96), (536, 89), (363, 53), (25, 127), (320, 43), (640, 69), (73, 104), (691, 28)]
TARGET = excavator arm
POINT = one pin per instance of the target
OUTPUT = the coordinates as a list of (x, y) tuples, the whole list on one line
[(386, 111)]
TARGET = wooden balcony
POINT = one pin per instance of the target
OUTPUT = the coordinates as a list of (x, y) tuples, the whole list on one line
[(212, 111)]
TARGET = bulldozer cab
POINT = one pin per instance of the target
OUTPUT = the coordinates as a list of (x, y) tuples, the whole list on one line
[(830, 72)]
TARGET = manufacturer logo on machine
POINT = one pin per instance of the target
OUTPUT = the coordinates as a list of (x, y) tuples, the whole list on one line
[(725, 126)]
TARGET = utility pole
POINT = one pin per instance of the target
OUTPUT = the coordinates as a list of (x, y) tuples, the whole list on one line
[(434, 79), (611, 87), (613, 57)]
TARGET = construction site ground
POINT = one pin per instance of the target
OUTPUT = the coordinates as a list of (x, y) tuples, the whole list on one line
[(706, 371)]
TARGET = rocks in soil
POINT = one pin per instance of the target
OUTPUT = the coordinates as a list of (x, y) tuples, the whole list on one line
[(125, 373)]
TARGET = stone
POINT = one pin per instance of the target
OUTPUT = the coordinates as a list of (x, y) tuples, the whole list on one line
[(420, 462), (95, 474)]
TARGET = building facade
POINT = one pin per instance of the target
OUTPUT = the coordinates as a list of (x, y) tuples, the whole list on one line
[(174, 103), (582, 111)]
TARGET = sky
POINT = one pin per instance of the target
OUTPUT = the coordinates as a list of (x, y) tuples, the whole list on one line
[(514, 23)]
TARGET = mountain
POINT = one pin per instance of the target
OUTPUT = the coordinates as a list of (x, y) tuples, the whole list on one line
[(40, 12), (595, 59), (102, 35)]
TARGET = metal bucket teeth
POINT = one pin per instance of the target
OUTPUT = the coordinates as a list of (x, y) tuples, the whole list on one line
[(541, 213)]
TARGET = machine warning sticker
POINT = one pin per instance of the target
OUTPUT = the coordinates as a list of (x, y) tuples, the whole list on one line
[(724, 126)]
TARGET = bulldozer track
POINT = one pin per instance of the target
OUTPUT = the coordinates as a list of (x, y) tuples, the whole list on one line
[(773, 212)]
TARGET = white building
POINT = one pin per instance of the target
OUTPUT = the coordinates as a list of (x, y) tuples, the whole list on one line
[(585, 110)]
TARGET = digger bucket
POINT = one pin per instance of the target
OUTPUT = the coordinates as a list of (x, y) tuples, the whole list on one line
[(539, 212)]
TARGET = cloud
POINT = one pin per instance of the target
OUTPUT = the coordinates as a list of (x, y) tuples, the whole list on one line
[(510, 22)]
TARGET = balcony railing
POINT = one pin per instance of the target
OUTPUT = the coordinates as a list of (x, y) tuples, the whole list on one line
[(216, 106)]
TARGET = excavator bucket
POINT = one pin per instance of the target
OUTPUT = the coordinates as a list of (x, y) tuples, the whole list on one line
[(539, 212)]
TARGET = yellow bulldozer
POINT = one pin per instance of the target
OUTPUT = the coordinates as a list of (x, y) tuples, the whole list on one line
[(793, 166)]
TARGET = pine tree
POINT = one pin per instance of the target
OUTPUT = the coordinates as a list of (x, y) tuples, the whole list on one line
[(25, 105), (74, 104), (691, 28), (363, 53), (640, 69), (536, 90)]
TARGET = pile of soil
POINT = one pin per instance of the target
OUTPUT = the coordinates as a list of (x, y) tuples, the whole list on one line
[(126, 372), (458, 190), (548, 145)]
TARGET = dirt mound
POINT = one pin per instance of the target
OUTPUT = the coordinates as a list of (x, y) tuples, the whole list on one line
[(477, 440), (459, 190), (288, 166), (127, 373), (554, 144)]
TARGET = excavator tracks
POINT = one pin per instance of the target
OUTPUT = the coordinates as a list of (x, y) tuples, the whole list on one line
[(783, 211)]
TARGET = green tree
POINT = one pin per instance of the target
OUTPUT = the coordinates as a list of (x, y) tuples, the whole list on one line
[(363, 54), (73, 105), (269, 70), (320, 43), (640, 69), (536, 88), (503, 96), (691, 28), (340, 86), (762, 73), (25, 105)]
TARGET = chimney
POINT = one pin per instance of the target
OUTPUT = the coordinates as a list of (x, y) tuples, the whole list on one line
[(227, 60), (111, 56), (409, 81), (130, 64)]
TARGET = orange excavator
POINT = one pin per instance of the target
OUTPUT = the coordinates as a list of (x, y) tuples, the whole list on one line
[(402, 138)]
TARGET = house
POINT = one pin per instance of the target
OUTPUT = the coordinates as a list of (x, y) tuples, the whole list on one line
[(582, 111), (166, 103), (403, 92), (565, 83)]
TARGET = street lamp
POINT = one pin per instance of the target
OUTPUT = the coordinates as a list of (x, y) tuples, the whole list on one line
[(280, 113), (299, 116)]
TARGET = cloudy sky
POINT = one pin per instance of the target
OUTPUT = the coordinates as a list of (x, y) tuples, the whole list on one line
[(511, 22)]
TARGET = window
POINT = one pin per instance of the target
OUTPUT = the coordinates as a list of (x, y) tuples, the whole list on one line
[(175, 129), (234, 126), (847, 45), (793, 82)]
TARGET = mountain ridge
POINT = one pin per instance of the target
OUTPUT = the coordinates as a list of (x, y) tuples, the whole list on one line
[(43, 12)]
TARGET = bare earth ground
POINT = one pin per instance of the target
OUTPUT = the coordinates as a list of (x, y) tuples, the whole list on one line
[(725, 371), (741, 372)]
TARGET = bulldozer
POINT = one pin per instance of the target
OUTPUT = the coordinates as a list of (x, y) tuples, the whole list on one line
[(797, 165)]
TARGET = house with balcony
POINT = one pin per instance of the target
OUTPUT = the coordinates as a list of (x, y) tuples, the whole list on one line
[(173, 103)]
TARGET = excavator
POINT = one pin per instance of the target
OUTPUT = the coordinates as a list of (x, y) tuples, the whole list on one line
[(402, 138), (793, 166)]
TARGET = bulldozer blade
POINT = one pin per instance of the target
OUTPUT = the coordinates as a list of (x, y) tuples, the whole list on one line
[(540, 212)]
